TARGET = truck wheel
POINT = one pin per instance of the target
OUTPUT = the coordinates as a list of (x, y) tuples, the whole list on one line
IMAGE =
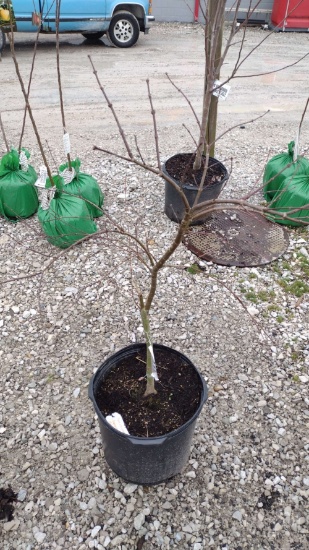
[(124, 29), (93, 36), (2, 40)]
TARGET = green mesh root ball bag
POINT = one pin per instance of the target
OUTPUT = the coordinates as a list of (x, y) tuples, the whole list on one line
[(66, 220), (281, 168), (292, 194), (83, 186), (18, 195)]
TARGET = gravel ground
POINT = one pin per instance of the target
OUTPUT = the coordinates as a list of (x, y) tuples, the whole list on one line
[(246, 485)]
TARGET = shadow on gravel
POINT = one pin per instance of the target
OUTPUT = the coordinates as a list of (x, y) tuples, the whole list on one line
[(69, 42), (7, 497)]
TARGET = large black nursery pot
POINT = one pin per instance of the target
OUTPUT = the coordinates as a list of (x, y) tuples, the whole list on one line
[(145, 460), (174, 206)]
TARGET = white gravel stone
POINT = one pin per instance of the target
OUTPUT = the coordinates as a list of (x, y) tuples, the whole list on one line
[(130, 488), (83, 474), (139, 521), (95, 531), (22, 493), (237, 515), (39, 536)]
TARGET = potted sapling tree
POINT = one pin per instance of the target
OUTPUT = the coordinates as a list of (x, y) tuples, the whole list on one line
[(148, 397), (198, 173), (201, 176)]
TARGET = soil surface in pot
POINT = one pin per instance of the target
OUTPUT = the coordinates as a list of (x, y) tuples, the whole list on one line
[(180, 167), (177, 399)]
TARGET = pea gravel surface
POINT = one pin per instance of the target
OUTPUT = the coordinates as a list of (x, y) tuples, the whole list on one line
[(246, 485)]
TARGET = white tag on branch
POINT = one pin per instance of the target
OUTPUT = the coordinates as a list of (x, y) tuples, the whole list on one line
[(41, 181), (23, 161), (154, 373), (46, 196), (117, 422), (296, 148), (68, 175), (221, 90), (66, 143)]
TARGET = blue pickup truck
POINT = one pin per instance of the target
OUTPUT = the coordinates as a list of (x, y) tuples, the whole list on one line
[(122, 21)]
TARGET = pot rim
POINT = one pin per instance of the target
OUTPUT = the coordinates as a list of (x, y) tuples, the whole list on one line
[(155, 439), (196, 187)]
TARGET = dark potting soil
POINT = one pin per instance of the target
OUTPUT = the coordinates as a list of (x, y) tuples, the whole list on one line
[(177, 399), (7, 496), (180, 167)]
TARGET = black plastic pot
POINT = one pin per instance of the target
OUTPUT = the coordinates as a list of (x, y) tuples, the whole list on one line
[(143, 460), (174, 206)]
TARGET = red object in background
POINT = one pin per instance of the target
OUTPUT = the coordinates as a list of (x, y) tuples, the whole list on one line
[(196, 9), (290, 14)]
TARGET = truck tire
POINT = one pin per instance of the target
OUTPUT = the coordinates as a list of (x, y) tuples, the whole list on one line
[(124, 29), (93, 36), (2, 40)]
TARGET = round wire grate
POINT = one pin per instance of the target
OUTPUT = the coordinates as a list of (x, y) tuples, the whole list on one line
[(237, 237)]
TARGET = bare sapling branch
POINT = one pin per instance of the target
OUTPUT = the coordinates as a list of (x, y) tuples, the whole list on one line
[(154, 125), (35, 129), (29, 87), (110, 105), (138, 149), (186, 98), (4, 135), (190, 134), (240, 62), (303, 116), (58, 6)]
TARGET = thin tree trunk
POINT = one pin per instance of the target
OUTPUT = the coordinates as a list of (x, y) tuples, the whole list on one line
[(213, 109), (150, 386)]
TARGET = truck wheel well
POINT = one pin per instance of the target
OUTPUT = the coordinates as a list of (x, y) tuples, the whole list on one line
[(136, 10)]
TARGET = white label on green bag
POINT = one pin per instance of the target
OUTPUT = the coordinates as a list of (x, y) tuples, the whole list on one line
[(66, 143), (41, 181), (23, 161), (68, 175)]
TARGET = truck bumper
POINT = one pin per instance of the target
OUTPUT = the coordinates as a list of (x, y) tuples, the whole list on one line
[(148, 19)]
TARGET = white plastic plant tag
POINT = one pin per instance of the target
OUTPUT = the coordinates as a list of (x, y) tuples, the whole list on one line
[(41, 181), (296, 147), (66, 143), (116, 420), (68, 175), (46, 195), (44, 198), (154, 373), (222, 92), (23, 161)]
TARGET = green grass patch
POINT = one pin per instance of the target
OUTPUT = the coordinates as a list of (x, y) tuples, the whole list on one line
[(194, 269), (252, 297), (273, 307), (297, 288)]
